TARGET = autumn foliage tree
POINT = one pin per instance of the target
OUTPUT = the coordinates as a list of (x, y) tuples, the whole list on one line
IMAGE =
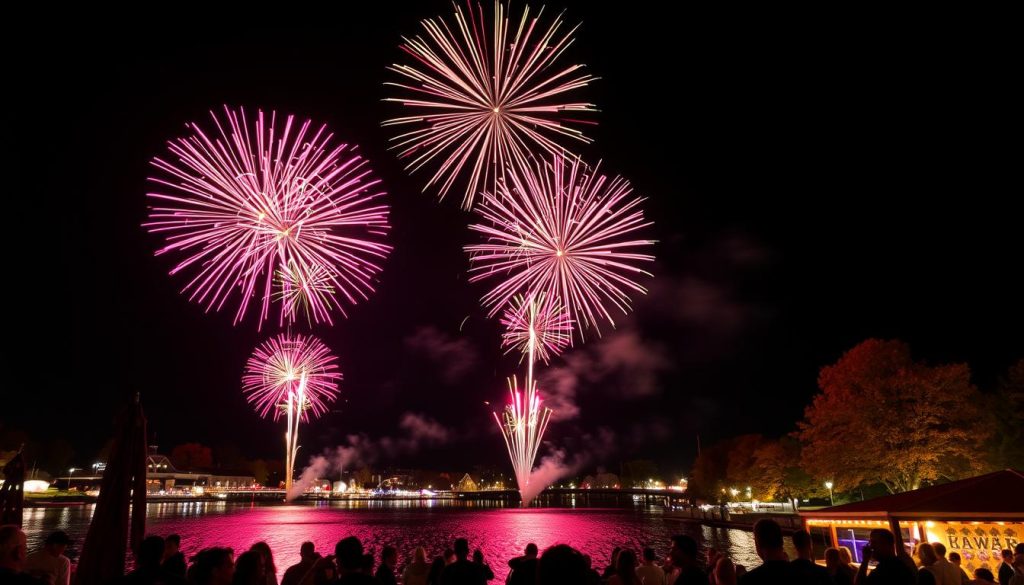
[(883, 418), (780, 476), (708, 475)]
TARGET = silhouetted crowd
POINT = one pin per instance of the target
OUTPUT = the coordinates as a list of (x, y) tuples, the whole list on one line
[(160, 562)]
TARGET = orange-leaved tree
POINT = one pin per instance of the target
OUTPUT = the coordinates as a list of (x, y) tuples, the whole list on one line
[(883, 418)]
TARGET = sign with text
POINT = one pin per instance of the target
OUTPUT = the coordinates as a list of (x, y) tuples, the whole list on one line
[(979, 544)]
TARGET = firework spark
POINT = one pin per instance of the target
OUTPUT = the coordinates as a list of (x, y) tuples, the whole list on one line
[(522, 425), (557, 227), (536, 325), (483, 102), (308, 290), (294, 376), (266, 201)]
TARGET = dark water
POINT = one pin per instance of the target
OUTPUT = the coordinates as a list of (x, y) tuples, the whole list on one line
[(501, 533)]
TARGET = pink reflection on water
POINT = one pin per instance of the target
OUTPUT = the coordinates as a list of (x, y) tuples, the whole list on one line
[(501, 533)]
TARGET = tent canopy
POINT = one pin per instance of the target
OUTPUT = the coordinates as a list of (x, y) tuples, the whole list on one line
[(993, 496)]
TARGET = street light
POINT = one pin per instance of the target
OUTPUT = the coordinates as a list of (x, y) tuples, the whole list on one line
[(831, 502), (71, 474)]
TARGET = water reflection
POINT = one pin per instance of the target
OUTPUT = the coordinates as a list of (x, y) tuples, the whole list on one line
[(501, 532)]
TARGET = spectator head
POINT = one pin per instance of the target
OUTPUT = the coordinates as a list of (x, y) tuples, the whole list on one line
[(307, 550), (324, 571), (954, 557), (449, 556), (419, 555), (562, 565), (531, 550), (478, 556), (263, 549), (927, 554), (832, 558), (767, 538), (626, 565), (725, 571), (883, 543), (1007, 554), (844, 555), (13, 548), (649, 555), (802, 544), (940, 549), (389, 556), (984, 575), (249, 567), (57, 542), (461, 548), (212, 566), (151, 552), (172, 544), (683, 551), (349, 553)]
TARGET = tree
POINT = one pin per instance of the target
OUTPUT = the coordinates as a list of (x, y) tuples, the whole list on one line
[(883, 418), (777, 466), (191, 457), (1007, 410), (741, 471), (708, 476)]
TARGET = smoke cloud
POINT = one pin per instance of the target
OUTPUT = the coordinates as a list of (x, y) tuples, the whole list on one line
[(420, 431)]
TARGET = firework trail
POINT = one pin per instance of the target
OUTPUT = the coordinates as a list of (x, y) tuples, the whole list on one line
[(522, 425)]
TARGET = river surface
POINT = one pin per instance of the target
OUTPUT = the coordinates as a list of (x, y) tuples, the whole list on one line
[(500, 532)]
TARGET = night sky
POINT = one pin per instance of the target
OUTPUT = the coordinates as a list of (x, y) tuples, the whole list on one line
[(810, 187)]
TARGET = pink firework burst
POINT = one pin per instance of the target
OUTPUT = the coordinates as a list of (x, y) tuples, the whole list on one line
[(485, 95), (536, 323), (557, 227), (267, 201), (291, 372)]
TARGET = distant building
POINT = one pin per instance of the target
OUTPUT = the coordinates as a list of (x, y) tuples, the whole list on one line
[(466, 484), (161, 476)]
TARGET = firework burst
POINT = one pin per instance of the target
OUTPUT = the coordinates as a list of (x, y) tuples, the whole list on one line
[(267, 201), (537, 326), (569, 232), (485, 96), (291, 376), (284, 363)]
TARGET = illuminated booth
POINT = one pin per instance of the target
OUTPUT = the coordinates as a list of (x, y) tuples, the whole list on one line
[(976, 517)]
